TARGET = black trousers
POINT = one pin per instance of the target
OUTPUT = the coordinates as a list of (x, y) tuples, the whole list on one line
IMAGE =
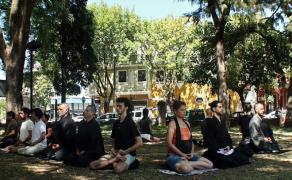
[(7, 142), (80, 161), (222, 162)]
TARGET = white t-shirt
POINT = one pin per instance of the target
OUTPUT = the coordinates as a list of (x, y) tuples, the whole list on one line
[(26, 126), (38, 129)]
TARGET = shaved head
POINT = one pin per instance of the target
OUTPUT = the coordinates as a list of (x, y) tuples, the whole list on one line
[(63, 109), (259, 109)]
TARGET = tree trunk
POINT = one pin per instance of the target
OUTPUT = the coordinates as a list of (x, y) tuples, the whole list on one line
[(106, 104), (288, 119), (242, 100), (63, 87), (162, 108), (221, 75), (13, 54), (14, 80)]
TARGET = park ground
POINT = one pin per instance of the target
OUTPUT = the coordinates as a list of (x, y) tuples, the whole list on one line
[(263, 166)]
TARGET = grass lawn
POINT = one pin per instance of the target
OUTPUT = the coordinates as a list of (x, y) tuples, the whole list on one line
[(152, 157)]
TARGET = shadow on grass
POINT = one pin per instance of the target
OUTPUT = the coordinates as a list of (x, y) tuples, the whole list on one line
[(152, 157)]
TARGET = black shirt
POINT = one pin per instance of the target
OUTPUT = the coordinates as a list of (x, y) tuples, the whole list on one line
[(145, 126), (124, 134), (65, 133), (243, 122), (12, 125), (89, 138), (216, 136)]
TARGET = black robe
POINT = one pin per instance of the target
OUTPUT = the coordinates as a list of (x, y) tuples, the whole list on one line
[(217, 137)]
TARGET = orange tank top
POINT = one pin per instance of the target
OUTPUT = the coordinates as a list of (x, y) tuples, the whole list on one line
[(185, 135)]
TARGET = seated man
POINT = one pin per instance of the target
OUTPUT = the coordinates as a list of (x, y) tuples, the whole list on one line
[(65, 134), (24, 132), (126, 140), (89, 146), (11, 131), (181, 157), (243, 122), (49, 129), (145, 128), (261, 134), (218, 141), (38, 139)]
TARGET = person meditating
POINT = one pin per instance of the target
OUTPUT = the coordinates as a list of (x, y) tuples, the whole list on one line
[(181, 157), (126, 140), (261, 133), (145, 128), (219, 143)]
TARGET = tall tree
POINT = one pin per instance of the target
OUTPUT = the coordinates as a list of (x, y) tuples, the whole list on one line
[(66, 29), (219, 11), (12, 52), (114, 43), (166, 46)]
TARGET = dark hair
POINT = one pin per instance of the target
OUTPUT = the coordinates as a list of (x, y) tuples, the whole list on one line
[(177, 104), (25, 110), (126, 102), (38, 112), (145, 112), (92, 108), (11, 113), (47, 116), (247, 107), (214, 104)]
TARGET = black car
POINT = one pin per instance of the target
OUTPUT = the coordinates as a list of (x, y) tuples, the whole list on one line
[(195, 116)]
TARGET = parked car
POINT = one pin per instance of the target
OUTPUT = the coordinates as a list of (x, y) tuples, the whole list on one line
[(107, 118), (274, 119), (77, 118), (169, 116), (271, 115), (137, 115), (195, 116), (234, 117)]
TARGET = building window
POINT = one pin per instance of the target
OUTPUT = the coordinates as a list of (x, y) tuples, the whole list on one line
[(160, 76), (141, 75), (122, 76)]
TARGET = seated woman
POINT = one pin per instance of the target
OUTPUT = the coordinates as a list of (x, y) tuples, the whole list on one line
[(145, 128), (181, 157), (218, 141)]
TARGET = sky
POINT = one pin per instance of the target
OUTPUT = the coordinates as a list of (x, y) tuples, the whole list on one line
[(152, 9), (147, 9)]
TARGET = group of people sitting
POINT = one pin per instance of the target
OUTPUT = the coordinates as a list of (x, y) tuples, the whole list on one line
[(82, 145), (256, 133)]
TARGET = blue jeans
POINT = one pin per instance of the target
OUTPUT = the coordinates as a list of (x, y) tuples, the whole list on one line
[(172, 160)]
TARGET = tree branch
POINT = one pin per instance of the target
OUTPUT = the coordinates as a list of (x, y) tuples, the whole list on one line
[(212, 9)]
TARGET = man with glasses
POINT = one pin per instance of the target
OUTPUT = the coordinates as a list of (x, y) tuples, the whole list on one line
[(89, 142), (218, 141), (65, 134)]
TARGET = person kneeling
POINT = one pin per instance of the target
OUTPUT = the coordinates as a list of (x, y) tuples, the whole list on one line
[(219, 143), (38, 138), (145, 128), (261, 134), (126, 140), (181, 156), (89, 145)]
